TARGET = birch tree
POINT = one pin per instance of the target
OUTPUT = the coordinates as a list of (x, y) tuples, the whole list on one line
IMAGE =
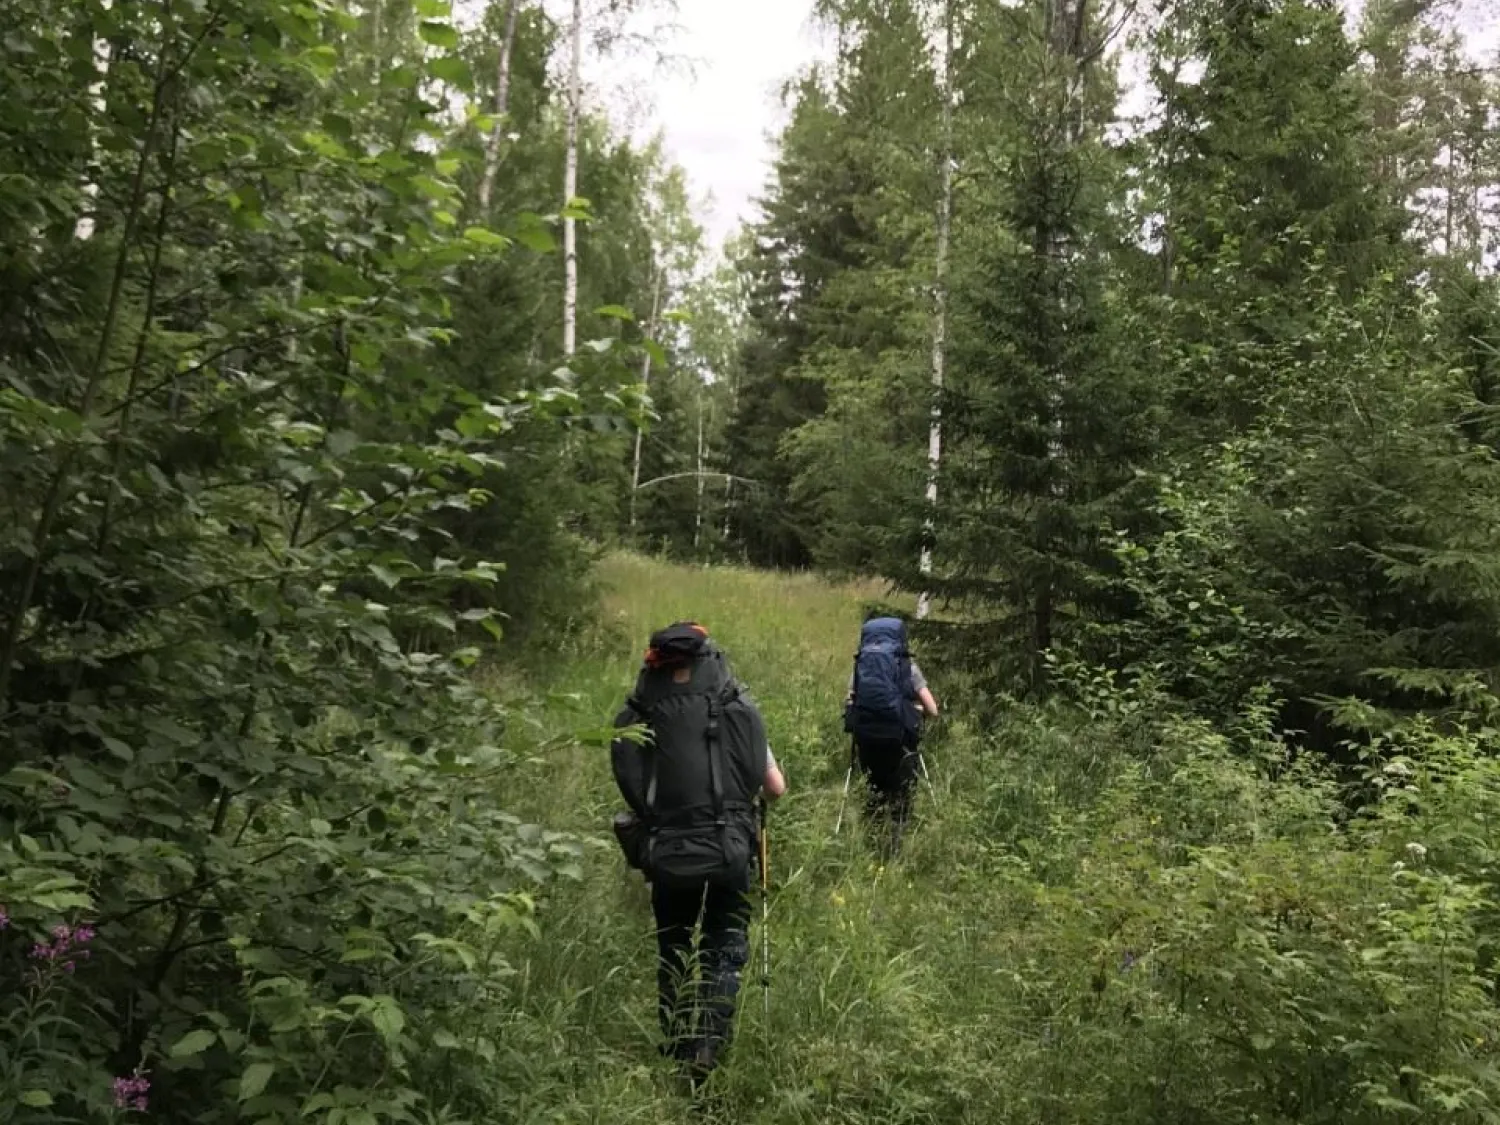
[(570, 183), (939, 300), (676, 251), (84, 228), (501, 105)]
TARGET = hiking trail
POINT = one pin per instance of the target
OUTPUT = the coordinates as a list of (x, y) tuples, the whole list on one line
[(867, 962)]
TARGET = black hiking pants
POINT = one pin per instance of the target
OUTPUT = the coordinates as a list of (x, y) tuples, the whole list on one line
[(890, 767), (700, 1016)]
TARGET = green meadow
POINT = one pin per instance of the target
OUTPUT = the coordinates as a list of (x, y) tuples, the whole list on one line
[(1101, 914)]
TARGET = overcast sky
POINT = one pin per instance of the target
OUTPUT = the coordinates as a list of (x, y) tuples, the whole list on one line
[(718, 105), (717, 100)]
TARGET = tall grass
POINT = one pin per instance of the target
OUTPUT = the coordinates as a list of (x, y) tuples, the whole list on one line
[(1110, 920)]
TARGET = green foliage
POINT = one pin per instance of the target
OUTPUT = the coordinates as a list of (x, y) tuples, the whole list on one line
[(1106, 910), (860, 467), (809, 234), (267, 504), (1212, 415)]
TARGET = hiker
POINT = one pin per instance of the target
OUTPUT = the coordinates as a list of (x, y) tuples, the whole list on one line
[(691, 830), (883, 714)]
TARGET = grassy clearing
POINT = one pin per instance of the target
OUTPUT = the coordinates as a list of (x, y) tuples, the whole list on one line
[(1108, 917), (855, 975)]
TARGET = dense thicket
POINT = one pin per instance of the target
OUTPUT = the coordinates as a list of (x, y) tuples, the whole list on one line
[(287, 434)]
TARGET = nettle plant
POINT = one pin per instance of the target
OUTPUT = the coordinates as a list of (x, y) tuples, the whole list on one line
[(253, 851)]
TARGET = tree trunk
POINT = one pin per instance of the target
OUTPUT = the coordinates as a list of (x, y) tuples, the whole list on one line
[(939, 308), (1168, 235), (502, 106), (635, 469), (570, 189), (698, 509), (1449, 191), (734, 405), (83, 229)]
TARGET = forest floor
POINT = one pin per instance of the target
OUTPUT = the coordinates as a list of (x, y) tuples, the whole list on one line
[(868, 964)]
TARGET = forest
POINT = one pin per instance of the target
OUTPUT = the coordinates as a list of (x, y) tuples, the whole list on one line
[(369, 391)]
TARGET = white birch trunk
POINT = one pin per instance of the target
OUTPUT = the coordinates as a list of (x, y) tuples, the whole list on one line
[(698, 509), (502, 107), (635, 470), (734, 404), (939, 307), (570, 188), (83, 229)]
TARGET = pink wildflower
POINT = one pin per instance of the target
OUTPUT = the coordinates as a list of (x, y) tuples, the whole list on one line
[(130, 1093)]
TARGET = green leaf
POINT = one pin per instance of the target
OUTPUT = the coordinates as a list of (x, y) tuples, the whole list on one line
[(453, 70), (324, 145), (37, 1099), (193, 1043), (400, 78), (389, 577), (533, 233), (317, 1102), (445, 1040), (431, 188), (366, 353), (472, 424), (254, 1080), (387, 1017), (119, 749), (439, 34), (483, 236), (618, 312), (434, 9)]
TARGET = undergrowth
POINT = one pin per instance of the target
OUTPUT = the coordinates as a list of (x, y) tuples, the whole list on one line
[(1104, 912)]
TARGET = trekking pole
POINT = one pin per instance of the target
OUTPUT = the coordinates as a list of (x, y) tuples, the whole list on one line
[(927, 777), (848, 776), (765, 913)]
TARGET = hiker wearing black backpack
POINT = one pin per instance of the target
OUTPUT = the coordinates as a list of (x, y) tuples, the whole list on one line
[(883, 715), (692, 787)]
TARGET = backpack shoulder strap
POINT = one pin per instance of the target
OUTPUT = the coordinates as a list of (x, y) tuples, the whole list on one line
[(715, 770), (637, 702)]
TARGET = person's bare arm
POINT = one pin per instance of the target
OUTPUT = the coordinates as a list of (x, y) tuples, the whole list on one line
[(929, 704), (775, 783)]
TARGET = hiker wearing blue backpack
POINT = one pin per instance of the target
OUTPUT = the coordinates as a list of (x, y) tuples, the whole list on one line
[(888, 696)]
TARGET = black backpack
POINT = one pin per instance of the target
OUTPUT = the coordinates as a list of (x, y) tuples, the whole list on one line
[(882, 708), (692, 785)]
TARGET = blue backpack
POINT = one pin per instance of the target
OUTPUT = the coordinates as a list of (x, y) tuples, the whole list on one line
[(882, 708)]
